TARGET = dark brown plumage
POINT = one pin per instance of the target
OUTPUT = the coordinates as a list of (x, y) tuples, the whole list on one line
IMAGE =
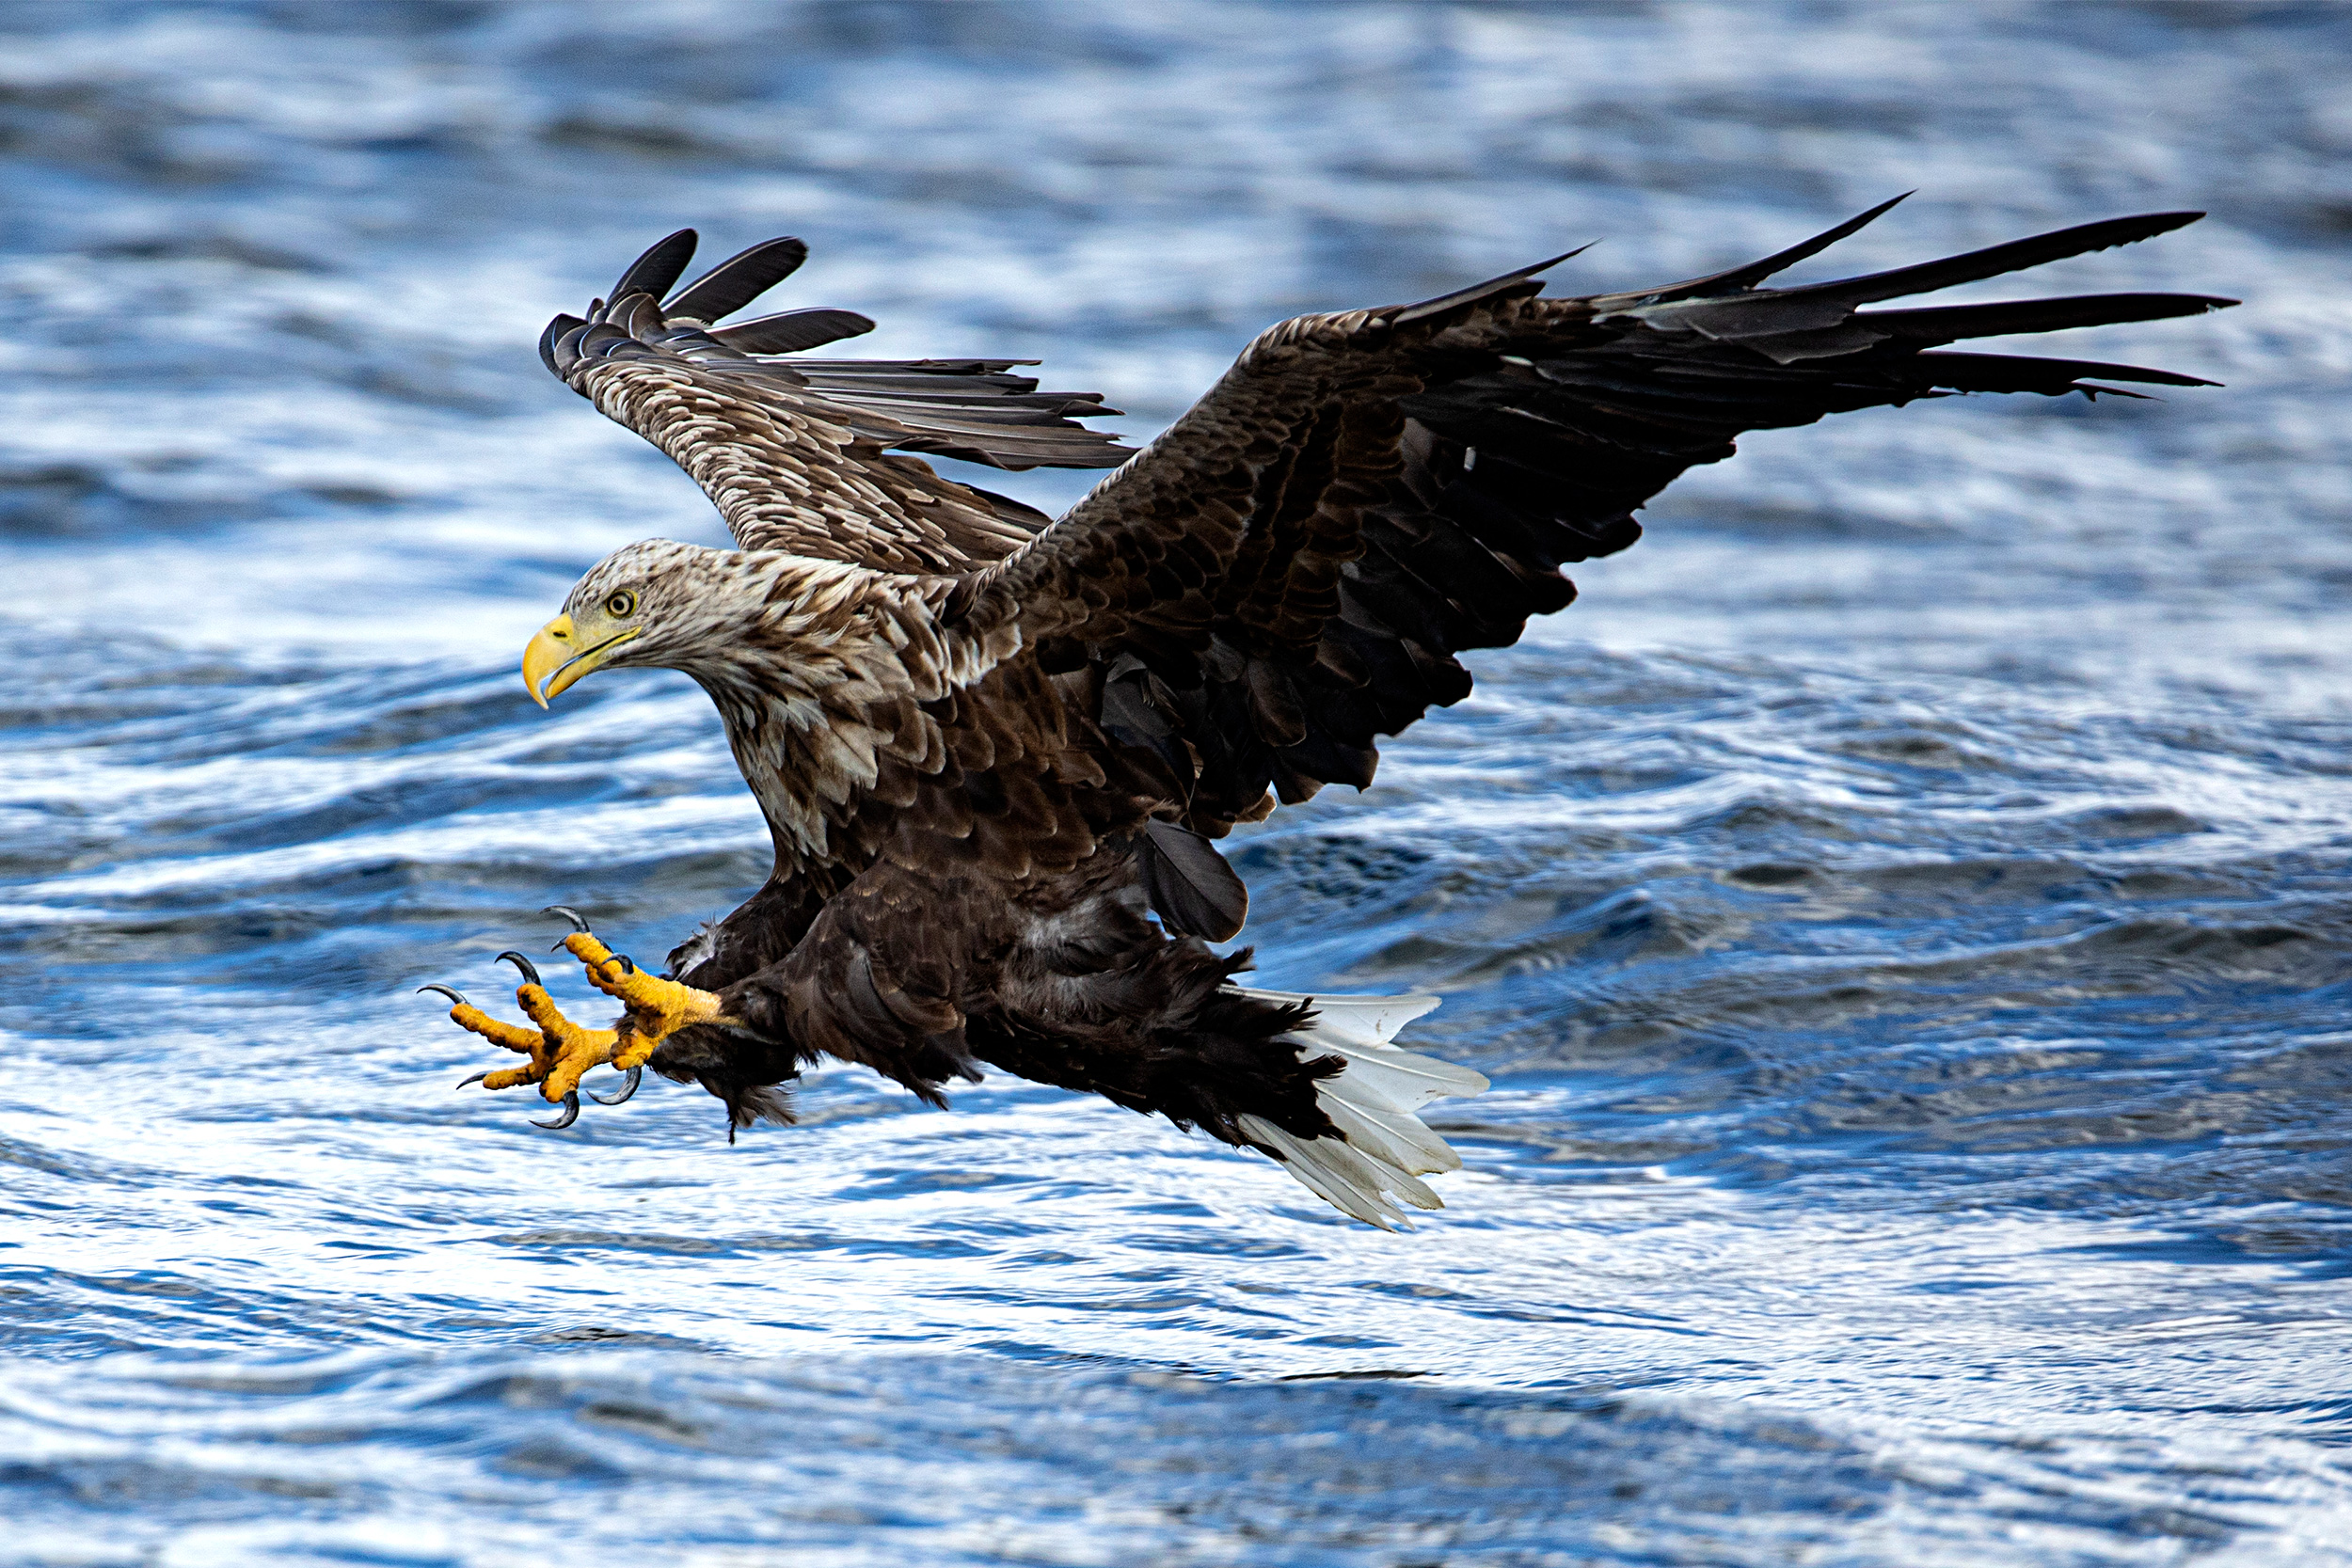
[(993, 753)]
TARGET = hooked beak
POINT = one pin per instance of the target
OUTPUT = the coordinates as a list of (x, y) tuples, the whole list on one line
[(555, 659)]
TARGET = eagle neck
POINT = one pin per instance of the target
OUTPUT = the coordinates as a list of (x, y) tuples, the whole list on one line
[(820, 690)]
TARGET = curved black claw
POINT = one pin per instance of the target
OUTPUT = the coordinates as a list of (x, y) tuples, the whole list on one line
[(456, 996), (636, 1076), (570, 1114), (530, 971), (476, 1078), (628, 965), (580, 921)]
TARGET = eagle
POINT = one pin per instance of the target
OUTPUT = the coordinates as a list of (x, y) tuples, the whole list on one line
[(995, 751)]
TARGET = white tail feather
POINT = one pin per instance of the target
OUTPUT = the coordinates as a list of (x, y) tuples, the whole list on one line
[(1383, 1146), (1364, 1021), (1404, 1142), (1400, 1078)]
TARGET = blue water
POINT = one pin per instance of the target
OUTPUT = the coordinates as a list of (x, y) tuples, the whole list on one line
[(1906, 907)]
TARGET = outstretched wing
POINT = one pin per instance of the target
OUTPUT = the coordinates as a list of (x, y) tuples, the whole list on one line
[(807, 454), (1292, 567)]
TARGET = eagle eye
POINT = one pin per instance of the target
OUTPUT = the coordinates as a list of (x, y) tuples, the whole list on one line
[(621, 605)]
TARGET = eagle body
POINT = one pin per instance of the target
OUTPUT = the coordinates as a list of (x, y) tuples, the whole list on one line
[(995, 751), (960, 859)]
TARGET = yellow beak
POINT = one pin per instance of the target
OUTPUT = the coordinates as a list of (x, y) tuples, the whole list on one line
[(555, 659)]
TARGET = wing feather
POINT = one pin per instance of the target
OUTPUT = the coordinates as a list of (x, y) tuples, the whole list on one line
[(811, 455), (793, 331), (1365, 496), (738, 281), (661, 265)]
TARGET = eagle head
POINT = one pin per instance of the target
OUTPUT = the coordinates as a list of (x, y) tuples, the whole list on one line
[(656, 604)]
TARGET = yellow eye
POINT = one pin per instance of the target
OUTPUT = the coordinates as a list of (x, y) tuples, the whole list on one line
[(621, 605)]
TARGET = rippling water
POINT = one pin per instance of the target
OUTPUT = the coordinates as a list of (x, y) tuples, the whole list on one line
[(1904, 908)]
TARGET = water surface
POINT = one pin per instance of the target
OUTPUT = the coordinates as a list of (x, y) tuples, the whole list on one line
[(1906, 907)]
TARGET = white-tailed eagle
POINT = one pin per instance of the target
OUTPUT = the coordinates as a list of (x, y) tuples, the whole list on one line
[(995, 750)]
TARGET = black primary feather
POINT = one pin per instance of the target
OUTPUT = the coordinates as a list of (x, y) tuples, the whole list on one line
[(738, 281), (658, 269), (1948, 324), (792, 332), (1815, 306), (1521, 279), (2016, 255), (1753, 273)]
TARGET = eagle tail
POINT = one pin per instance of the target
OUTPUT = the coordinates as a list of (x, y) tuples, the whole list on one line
[(1383, 1146)]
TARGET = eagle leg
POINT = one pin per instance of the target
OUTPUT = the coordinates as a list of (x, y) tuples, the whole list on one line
[(658, 1008)]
